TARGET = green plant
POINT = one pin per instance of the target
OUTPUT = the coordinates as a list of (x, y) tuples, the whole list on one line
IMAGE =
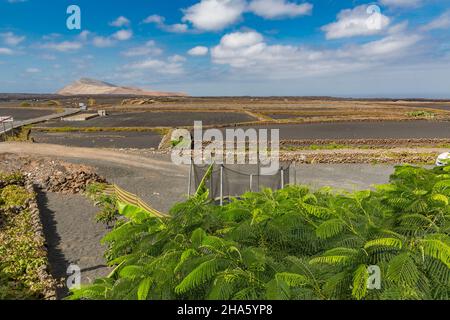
[(15, 178), (25, 104), (108, 203), (22, 257), (92, 102), (14, 195), (288, 244), (23, 135), (421, 114), (54, 103)]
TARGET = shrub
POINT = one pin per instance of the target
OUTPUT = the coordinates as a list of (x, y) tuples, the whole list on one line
[(22, 257), (288, 244), (108, 203), (15, 178), (92, 102), (421, 114), (14, 195), (54, 103)]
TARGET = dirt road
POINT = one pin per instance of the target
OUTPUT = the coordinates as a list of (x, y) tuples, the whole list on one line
[(88, 153)]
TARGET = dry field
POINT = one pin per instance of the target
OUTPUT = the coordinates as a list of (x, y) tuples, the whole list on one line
[(306, 124)]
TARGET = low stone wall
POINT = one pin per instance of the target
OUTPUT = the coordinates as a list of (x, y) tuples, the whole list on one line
[(44, 272)]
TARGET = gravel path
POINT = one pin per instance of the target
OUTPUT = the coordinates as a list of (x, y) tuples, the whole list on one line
[(73, 236)]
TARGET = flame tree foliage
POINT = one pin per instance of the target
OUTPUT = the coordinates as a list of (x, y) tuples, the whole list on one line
[(289, 244)]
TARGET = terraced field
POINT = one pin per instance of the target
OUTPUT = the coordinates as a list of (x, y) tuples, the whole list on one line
[(157, 119), (20, 114), (138, 140), (363, 130)]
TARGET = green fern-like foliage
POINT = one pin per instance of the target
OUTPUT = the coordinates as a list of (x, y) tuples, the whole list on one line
[(288, 244)]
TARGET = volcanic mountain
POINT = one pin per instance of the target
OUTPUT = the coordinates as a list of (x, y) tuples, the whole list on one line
[(87, 86)]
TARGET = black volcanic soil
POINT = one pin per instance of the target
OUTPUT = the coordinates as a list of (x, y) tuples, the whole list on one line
[(20, 114), (157, 119), (363, 130), (135, 140)]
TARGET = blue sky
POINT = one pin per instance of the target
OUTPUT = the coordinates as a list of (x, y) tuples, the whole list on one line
[(384, 48)]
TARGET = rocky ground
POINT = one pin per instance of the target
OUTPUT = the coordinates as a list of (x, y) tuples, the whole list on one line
[(71, 234), (49, 174)]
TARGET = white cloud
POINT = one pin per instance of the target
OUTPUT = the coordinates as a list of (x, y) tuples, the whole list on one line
[(154, 18), (361, 21), (169, 67), (120, 22), (11, 39), (51, 36), (198, 51), (123, 35), (176, 28), (110, 41), (49, 57), (160, 23), (6, 51), (241, 39), (401, 3), (64, 46), (102, 42), (250, 54), (441, 22), (275, 9), (214, 15), (176, 58), (33, 70), (149, 48), (83, 36)]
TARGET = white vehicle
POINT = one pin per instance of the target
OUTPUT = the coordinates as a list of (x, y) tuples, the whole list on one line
[(443, 159)]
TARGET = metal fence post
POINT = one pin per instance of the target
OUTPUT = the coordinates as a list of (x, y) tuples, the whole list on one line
[(211, 183), (221, 185), (251, 183), (190, 178), (282, 178), (295, 173)]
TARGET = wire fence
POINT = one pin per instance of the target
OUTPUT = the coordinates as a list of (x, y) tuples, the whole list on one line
[(227, 181)]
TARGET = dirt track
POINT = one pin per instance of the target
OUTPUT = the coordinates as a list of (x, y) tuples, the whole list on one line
[(88, 153)]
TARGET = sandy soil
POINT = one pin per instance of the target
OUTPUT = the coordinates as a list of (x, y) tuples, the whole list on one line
[(73, 237)]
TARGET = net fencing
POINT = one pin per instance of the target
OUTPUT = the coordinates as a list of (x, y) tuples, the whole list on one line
[(234, 180)]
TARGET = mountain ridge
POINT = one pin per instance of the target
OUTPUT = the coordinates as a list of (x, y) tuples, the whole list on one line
[(88, 86)]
